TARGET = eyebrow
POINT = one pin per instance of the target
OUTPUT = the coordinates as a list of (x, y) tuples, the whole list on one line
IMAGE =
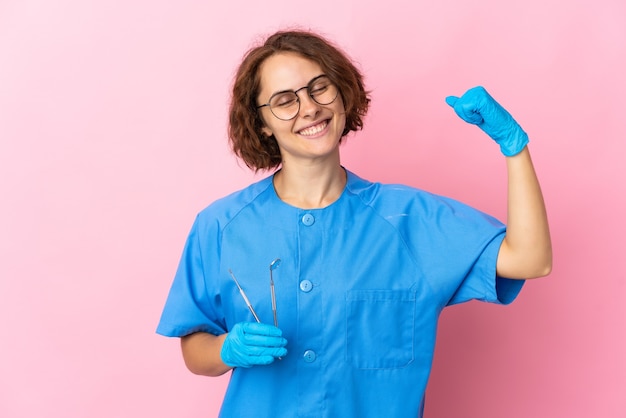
[(299, 88)]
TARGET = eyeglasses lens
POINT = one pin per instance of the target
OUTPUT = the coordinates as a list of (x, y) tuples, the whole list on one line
[(286, 105)]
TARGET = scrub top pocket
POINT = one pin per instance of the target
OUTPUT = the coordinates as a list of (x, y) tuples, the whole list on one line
[(380, 328)]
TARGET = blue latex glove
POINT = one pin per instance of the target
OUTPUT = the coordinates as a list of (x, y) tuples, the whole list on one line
[(477, 107), (250, 344)]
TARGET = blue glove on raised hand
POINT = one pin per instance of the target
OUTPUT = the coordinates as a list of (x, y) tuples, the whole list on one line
[(250, 344), (477, 107)]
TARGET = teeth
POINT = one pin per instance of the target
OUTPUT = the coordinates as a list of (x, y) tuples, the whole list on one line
[(314, 129)]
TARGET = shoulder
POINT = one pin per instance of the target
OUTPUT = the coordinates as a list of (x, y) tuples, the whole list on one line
[(399, 203), (222, 211), (384, 196)]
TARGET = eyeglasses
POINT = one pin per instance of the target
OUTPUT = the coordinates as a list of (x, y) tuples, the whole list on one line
[(285, 105)]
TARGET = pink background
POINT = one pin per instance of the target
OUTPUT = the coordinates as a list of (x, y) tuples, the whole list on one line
[(112, 137)]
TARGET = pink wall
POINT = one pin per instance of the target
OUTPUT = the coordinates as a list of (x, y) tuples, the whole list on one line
[(112, 137)]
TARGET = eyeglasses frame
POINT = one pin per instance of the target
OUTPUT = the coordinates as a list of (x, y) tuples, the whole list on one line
[(295, 92)]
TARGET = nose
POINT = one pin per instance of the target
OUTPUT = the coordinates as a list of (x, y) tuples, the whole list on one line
[(308, 106)]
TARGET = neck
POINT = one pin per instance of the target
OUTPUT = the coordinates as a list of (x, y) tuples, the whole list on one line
[(310, 187)]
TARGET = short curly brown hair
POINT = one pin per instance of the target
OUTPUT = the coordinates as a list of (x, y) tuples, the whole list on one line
[(248, 142)]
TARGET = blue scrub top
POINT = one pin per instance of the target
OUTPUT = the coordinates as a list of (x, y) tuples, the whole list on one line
[(358, 292)]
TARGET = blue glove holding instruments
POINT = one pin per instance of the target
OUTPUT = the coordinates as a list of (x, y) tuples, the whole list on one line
[(251, 344), (477, 107)]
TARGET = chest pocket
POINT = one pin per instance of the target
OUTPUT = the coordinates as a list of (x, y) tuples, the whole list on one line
[(380, 328)]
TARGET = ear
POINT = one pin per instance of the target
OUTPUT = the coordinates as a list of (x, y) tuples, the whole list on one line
[(266, 131)]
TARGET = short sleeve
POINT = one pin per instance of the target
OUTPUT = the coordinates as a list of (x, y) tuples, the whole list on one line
[(454, 245), (193, 304), (482, 282)]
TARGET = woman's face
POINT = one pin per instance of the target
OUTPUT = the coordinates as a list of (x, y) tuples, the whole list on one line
[(314, 133)]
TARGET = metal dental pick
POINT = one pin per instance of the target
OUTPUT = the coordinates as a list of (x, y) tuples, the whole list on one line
[(273, 265), (245, 298)]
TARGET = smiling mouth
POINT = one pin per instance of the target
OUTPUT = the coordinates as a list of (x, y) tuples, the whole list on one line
[(315, 129)]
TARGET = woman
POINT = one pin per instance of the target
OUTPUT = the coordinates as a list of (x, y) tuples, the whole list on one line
[(350, 276)]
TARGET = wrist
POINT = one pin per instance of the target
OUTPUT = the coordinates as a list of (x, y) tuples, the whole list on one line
[(514, 144)]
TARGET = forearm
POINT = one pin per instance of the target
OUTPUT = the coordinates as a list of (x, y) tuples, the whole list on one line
[(201, 352), (526, 251)]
